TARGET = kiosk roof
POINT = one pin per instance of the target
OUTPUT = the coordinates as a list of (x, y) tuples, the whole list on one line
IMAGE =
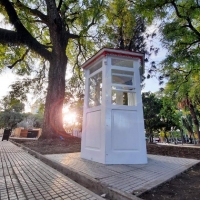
[(114, 52)]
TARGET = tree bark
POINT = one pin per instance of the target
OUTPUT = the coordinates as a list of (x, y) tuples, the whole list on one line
[(53, 119)]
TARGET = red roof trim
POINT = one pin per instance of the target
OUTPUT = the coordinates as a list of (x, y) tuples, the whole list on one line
[(89, 63), (107, 52), (124, 54)]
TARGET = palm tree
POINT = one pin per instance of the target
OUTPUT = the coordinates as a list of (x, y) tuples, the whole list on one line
[(187, 123), (187, 103)]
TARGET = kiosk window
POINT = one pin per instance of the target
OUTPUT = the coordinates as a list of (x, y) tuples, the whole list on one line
[(95, 90), (123, 91), (123, 98), (122, 77), (122, 80), (122, 63), (96, 67)]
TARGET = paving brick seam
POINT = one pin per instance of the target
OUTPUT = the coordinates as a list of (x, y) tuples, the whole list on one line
[(31, 179), (129, 178), (16, 193), (137, 177)]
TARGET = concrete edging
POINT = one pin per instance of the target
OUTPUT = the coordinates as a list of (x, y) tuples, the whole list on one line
[(82, 179)]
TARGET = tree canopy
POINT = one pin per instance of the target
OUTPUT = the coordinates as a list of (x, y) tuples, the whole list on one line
[(180, 35), (52, 31), (179, 30), (151, 106), (11, 112)]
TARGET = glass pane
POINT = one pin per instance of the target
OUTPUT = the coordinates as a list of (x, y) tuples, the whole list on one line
[(122, 80), (122, 63), (116, 87), (116, 71), (95, 90), (123, 98), (96, 67)]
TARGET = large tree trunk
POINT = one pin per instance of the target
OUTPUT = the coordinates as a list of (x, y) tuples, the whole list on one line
[(53, 119)]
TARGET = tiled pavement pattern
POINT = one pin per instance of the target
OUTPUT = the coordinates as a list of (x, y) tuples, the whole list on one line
[(133, 179), (23, 177)]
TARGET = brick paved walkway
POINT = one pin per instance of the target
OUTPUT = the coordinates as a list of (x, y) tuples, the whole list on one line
[(131, 179), (23, 177)]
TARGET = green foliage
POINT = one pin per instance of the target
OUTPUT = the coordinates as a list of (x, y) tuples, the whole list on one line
[(31, 121), (9, 103), (83, 20), (176, 134), (180, 32), (78, 19), (11, 113), (169, 114), (151, 106), (75, 88), (187, 124), (185, 94), (160, 114), (123, 27), (56, 33), (180, 88), (9, 118)]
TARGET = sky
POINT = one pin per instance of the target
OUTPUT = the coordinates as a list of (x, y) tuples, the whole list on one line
[(6, 79), (152, 84)]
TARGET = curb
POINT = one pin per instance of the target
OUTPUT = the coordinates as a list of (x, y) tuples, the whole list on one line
[(82, 179)]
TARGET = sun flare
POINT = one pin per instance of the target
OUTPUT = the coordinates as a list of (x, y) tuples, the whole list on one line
[(68, 117)]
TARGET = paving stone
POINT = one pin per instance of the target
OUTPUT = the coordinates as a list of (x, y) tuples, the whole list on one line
[(22, 198), (127, 178), (22, 176)]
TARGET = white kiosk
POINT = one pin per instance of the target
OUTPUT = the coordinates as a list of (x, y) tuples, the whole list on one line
[(113, 123)]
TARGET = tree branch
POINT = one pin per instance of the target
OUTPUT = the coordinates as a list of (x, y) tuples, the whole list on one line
[(192, 27), (34, 12), (59, 5), (189, 44), (72, 36), (12, 37), (13, 17), (177, 11), (22, 58), (22, 35), (186, 18)]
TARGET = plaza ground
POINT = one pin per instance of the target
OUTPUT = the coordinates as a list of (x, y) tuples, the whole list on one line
[(24, 177), (185, 186)]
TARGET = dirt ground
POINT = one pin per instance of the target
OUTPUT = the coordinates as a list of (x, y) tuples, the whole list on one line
[(53, 146), (184, 187)]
